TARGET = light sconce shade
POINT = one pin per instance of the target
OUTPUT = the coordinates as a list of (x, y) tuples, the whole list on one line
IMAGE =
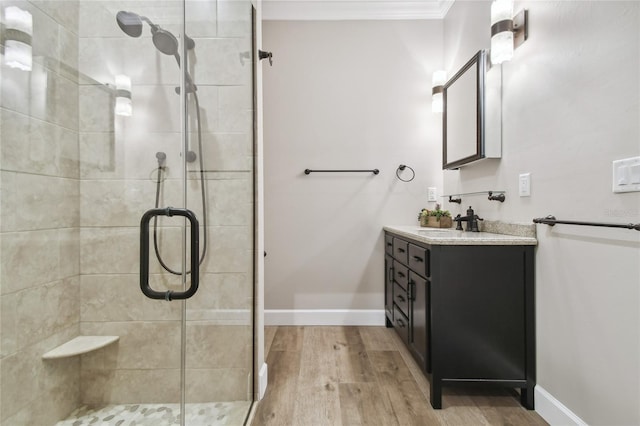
[(123, 96), (439, 78), (507, 31), (18, 31)]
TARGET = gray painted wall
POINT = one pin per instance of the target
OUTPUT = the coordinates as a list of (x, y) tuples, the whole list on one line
[(344, 95), (355, 91), (570, 107)]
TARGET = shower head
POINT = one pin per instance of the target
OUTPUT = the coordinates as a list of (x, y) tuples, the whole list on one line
[(130, 23), (165, 41)]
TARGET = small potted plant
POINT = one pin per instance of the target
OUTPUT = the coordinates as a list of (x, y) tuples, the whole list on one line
[(436, 218)]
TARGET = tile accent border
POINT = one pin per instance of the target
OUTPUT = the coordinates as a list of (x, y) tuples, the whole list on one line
[(154, 414)]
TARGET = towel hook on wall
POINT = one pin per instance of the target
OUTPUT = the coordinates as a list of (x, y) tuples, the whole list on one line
[(266, 55)]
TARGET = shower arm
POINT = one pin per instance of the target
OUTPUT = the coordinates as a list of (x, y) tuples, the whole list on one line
[(150, 22)]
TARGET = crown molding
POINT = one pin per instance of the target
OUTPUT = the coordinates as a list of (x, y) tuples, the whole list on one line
[(341, 10)]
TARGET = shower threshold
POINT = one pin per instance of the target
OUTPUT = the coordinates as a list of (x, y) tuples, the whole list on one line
[(203, 414)]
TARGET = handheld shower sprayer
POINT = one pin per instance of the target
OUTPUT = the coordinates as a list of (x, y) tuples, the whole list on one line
[(167, 43)]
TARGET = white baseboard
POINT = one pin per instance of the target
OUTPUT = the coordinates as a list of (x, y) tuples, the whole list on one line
[(324, 317), (553, 411), (263, 378)]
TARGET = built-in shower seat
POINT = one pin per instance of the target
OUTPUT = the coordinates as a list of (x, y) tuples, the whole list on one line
[(80, 345)]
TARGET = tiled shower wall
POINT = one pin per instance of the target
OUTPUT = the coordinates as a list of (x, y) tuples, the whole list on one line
[(75, 180), (39, 276), (118, 184)]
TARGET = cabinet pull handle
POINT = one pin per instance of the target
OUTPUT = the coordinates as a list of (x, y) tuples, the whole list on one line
[(412, 290), (418, 259), (389, 244), (401, 298), (401, 275), (390, 277), (401, 323), (401, 250)]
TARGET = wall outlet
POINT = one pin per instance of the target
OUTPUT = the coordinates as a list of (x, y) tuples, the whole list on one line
[(432, 194), (524, 185), (626, 175)]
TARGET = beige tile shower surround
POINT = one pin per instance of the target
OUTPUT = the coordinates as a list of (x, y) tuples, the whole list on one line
[(74, 182)]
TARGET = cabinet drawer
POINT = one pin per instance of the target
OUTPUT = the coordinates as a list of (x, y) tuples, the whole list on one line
[(388, 244), (401, 324), (400, 274), (400, 248), (401, 299), (419, 260)]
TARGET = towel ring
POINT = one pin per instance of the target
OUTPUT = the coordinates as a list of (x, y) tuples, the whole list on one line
[(400, 168)]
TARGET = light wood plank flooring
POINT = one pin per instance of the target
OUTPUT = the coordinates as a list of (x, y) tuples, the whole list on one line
[(353, 376)]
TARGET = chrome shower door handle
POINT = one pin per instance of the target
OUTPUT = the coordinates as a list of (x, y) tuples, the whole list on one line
[(144, 254)]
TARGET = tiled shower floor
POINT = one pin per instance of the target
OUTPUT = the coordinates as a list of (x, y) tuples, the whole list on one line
[(209, 414)]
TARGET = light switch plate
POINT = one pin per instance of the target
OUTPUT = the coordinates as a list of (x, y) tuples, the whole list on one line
[(432, 194), (524, 185), (626, 175)]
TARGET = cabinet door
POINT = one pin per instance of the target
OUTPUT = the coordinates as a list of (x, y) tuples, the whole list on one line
[(420, 330), (478, 313), (388, 287)]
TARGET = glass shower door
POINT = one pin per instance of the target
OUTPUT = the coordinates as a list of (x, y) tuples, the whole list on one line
[(126, 107), (220, 124)]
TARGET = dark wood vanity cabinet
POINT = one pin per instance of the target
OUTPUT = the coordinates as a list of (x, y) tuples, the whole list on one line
[(407, 295), (466, 312)]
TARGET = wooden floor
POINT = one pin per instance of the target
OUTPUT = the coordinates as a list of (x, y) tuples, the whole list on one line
[(365, 376)]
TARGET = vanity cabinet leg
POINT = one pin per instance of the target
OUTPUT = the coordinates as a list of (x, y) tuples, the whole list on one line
[(526, 397), (436, 393)]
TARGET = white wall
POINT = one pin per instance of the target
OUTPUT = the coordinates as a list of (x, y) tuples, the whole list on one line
[(344, 95), (570, 107)]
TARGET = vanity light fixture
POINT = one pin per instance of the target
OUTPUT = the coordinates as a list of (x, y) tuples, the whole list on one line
[(17, 35), (439, 78), (123, 96), (507, 31)]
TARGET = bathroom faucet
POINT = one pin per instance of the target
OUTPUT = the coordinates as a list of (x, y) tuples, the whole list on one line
[(472, 221)]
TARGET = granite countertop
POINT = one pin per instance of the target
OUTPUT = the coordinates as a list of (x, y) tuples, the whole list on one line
[(449, 236)]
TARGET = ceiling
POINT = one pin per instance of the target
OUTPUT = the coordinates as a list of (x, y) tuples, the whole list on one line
[(334, 10)]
